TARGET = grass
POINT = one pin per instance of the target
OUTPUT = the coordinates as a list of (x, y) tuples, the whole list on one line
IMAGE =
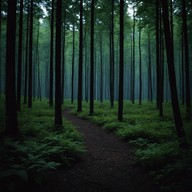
[(41, 147), (154, 138)]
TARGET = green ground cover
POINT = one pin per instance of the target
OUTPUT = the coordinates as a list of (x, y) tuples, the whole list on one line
[(40, 148), (154, 138)]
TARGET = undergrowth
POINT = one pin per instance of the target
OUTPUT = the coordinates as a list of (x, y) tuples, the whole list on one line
[(154, 138), (41, 147)]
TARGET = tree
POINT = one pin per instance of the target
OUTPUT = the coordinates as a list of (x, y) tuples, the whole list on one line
[(92, 60), (20, 56), (73, 65), (133, 60), (150, 91), (58, 115), (112, 55), (0, 47), (140, 66), (30, 57), (80, 78), (121, 62), (186, 48), (11, 124), (26, 54), (51, 55), (172, 79)]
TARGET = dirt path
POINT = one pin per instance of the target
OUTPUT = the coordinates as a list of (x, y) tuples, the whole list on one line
[(108, 165)]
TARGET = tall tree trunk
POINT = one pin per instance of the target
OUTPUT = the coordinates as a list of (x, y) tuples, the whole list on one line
[(112, 55), (186, 48), (150, 91), (58, 116), (157, 53), (63, 65), (38, 63), (80, 72), (182, 69), (20, 57), (121, 62), (86, 76), (30, 57), (26, 54), (73, 65), (51, 56), (101, 69), (92, 59), (0, 51), (170, 61), (140, 67), (133, 80), (11, 124), (161, 70)]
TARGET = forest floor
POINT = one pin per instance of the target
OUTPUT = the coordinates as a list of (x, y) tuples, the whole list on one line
[(108, 165)]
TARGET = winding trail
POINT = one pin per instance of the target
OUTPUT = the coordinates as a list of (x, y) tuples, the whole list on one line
[(108, 165)]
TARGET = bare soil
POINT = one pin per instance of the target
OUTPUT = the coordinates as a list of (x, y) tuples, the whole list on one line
[(108, 165)]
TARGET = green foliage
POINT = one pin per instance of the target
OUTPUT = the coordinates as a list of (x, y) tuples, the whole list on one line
[(40, 149), (154, 139)]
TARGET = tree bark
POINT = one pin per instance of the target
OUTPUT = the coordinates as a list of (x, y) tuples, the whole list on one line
[(11, 124), (121, 62), (51, 56), (140, 67), (133, 68), (30, 57), (92, 60), (26, 55), (172, 79), (20, 57), (186, 48), (73, 65), (101, 70), (58, 116), (112, 55), (0, 50), (80, 72)]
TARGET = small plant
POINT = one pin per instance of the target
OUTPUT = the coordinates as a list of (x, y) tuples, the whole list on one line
[(41, 148)]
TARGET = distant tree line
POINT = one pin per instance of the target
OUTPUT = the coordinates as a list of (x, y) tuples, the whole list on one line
[(95, 50)]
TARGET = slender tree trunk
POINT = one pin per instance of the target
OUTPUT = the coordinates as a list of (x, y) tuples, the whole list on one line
[(11, 124), (0, 52), (112, 55), (38, 63), (157, 54), (30, 57), (20, 57), (161, 68), (58, 116), (133, 80), (101, 70), (182, 69), (73, 65), (86, 76), (186, 48), (26, 55), (51, 56), (170, 61), (121, 62), (150, 91), (131, 74), (92, 59), (140, 67), (80, 72), (63, 66)]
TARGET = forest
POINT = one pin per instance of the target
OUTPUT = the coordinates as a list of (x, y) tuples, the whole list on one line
[(95, 95)]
